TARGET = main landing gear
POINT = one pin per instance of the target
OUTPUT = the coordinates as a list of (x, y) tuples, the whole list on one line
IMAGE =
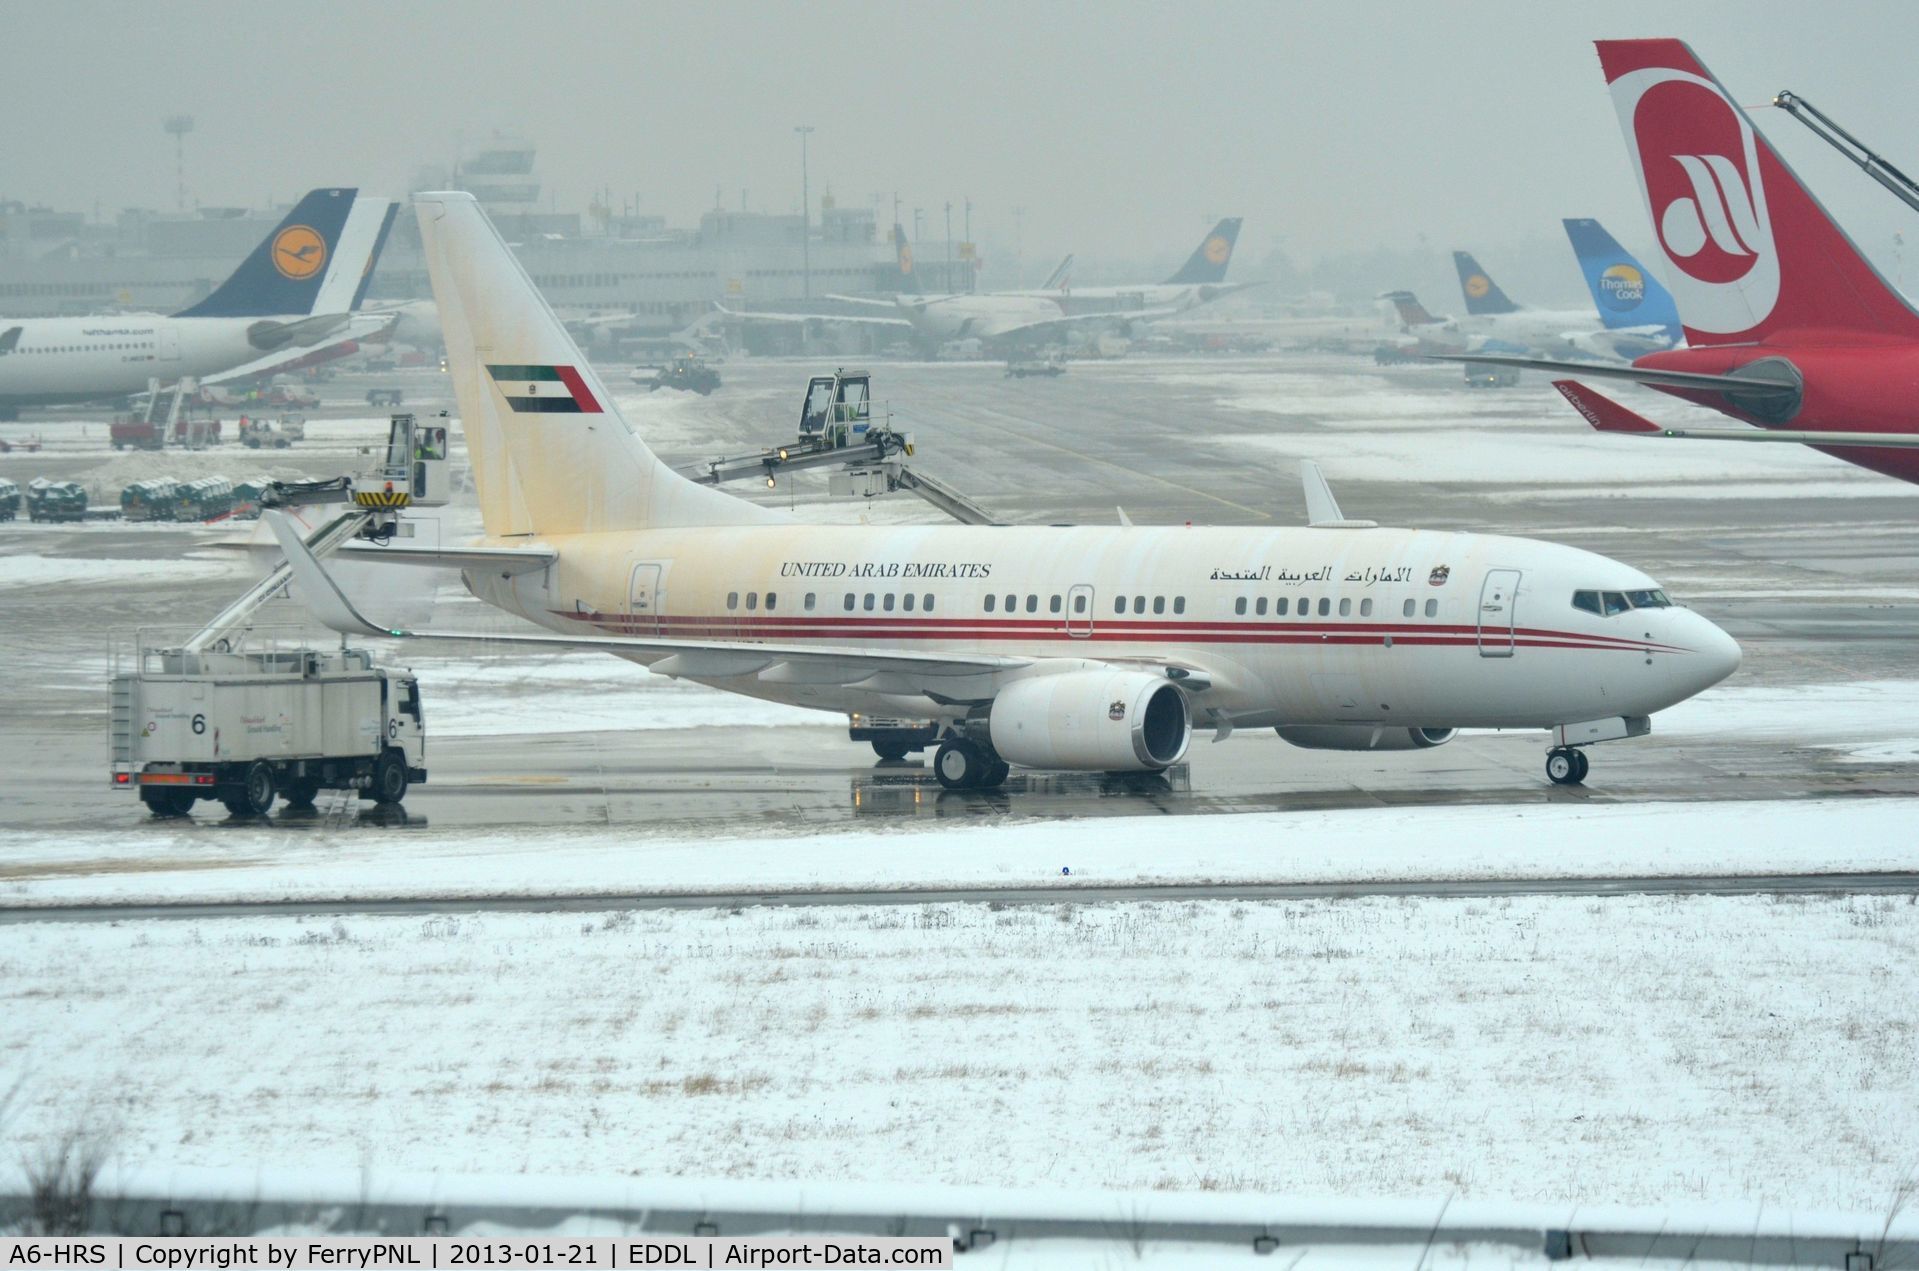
[(1566, 766), (960, 765)]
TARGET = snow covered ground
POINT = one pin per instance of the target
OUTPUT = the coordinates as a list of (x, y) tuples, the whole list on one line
[(1625, 1050), (25, 569), (162, 863)]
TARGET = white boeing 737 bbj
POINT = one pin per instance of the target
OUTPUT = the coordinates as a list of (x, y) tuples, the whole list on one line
[(296, 293), (1082, 648)]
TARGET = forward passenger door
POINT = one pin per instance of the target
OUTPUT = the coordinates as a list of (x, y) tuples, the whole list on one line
[(1498, 612)]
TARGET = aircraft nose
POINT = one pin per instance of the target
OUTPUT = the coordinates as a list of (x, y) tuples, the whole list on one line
[(1715, 655)]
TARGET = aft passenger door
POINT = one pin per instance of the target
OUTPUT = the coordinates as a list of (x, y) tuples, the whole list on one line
[(643, 600), (1079, 612), (1498, 612)]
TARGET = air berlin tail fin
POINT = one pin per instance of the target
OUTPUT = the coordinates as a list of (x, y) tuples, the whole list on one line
[(1750, 252), (1411, 312)]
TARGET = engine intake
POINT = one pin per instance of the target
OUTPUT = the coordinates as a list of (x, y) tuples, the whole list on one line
[(1364, 737), (1091, 721)]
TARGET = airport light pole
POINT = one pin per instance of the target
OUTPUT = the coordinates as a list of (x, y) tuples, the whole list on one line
[(179, 126), (806, 217)]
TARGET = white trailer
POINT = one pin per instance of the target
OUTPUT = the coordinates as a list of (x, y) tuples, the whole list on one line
[(249, 723)]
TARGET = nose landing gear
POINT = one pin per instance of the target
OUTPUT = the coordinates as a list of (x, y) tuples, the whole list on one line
[(1566, 766)]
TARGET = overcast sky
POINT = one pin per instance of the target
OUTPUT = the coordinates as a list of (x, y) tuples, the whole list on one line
[(1123, 129)]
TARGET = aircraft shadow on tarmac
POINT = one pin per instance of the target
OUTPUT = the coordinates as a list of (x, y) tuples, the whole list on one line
[(905, 788)]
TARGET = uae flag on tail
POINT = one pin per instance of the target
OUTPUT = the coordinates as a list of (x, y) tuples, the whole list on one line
[(544, 390)]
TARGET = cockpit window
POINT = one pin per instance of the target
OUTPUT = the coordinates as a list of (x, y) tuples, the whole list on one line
[(1609, 603), (1614, 602), (1648, 599), (1587, 600)]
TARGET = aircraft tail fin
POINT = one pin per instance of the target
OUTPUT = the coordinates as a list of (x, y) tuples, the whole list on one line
[(551, 453), (1209, 260), (1411, 312), (1748, 250), (1625, 294), (903, 253), (1062, 276), (1483, 296), (313, 262), (373, 257)]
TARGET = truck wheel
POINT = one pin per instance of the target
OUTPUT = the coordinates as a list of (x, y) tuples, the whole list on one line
[(300, 792), (168, 803), (256, 793), (389, 779), (890, 751)]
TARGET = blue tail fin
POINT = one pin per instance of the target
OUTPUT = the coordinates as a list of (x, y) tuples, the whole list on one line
[(284, 274), (1624, 293), (1483, 295), (379, 245), (903, 253), (1209, 260)]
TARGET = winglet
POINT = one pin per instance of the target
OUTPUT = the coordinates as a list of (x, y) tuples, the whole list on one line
[(1322, 509), (1124, 520), (1602, 412), (323, 597)]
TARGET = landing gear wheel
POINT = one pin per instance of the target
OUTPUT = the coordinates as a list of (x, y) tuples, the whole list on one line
[(1579, 777), (1565, 766), (301, 792), (995, 775), (389, 779), (167, 803), (959, 765), (255, 795), (890, 751)]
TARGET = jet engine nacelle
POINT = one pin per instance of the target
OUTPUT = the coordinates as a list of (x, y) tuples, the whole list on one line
[(1364, 737), (1091, 721)]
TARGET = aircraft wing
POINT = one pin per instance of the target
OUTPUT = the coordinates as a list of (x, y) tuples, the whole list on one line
[(935, 674), (1744, 385), (1073, 321), (357, 326), (508, 560), (859, 319), (1606, 415)]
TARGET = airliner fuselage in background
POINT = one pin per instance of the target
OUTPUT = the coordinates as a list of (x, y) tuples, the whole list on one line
[(1086, 648), (295, 292)]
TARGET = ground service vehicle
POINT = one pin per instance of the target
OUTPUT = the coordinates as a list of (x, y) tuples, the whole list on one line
[(689, 373), (249, 724), (9, 500), (275, 434), (154, 500), (384, 396), (56, 500)]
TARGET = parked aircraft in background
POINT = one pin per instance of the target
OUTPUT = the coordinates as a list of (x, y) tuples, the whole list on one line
[(1492, 315), (1638, 313), (1788, 326), (1091, 648), (294, 295)]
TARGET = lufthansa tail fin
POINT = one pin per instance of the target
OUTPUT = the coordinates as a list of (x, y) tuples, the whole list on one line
[(1749, 252), (1483, 296), (903, 253), (308, 264), (551, 453), (1625, 294), (1209, 260)]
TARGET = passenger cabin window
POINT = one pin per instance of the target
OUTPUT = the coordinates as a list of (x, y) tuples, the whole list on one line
[(1366, 607), (771, 598), (1325, 606), (1410, 606), (752, 600), (928, 605), (1012, 604), (1056, 602), (1432, 608), (1179, 604), (809, 602), (1239, 606), (887, 602), (1345, 606), (1032, 604), (867, 604), (906, 602), (732, 600), (990, 601), (1259, 606), (1159, 604), (1139, 604), (849, 602), (1079, 603), (1279, 607), (1119, 604)]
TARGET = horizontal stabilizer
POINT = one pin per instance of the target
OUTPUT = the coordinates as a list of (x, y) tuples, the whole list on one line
[(505, 560), (1607, 415)]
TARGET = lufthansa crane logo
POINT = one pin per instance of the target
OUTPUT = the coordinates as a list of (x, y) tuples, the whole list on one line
[(1478, 285), (1217, 249), (299, 252)]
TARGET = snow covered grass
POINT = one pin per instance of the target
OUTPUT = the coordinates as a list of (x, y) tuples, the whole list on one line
[(24, 569), (1625, 1050), (214, 861)]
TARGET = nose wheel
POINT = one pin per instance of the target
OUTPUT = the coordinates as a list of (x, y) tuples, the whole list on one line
[(1566, 766)]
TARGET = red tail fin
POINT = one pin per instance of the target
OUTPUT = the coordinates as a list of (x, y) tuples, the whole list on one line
[(1751, 251)]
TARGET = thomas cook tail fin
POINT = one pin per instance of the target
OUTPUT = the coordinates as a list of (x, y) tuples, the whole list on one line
[(551, 453), (1209, 260), (1483, 295), (1748, 250), (312, 262), (1625, 294)]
